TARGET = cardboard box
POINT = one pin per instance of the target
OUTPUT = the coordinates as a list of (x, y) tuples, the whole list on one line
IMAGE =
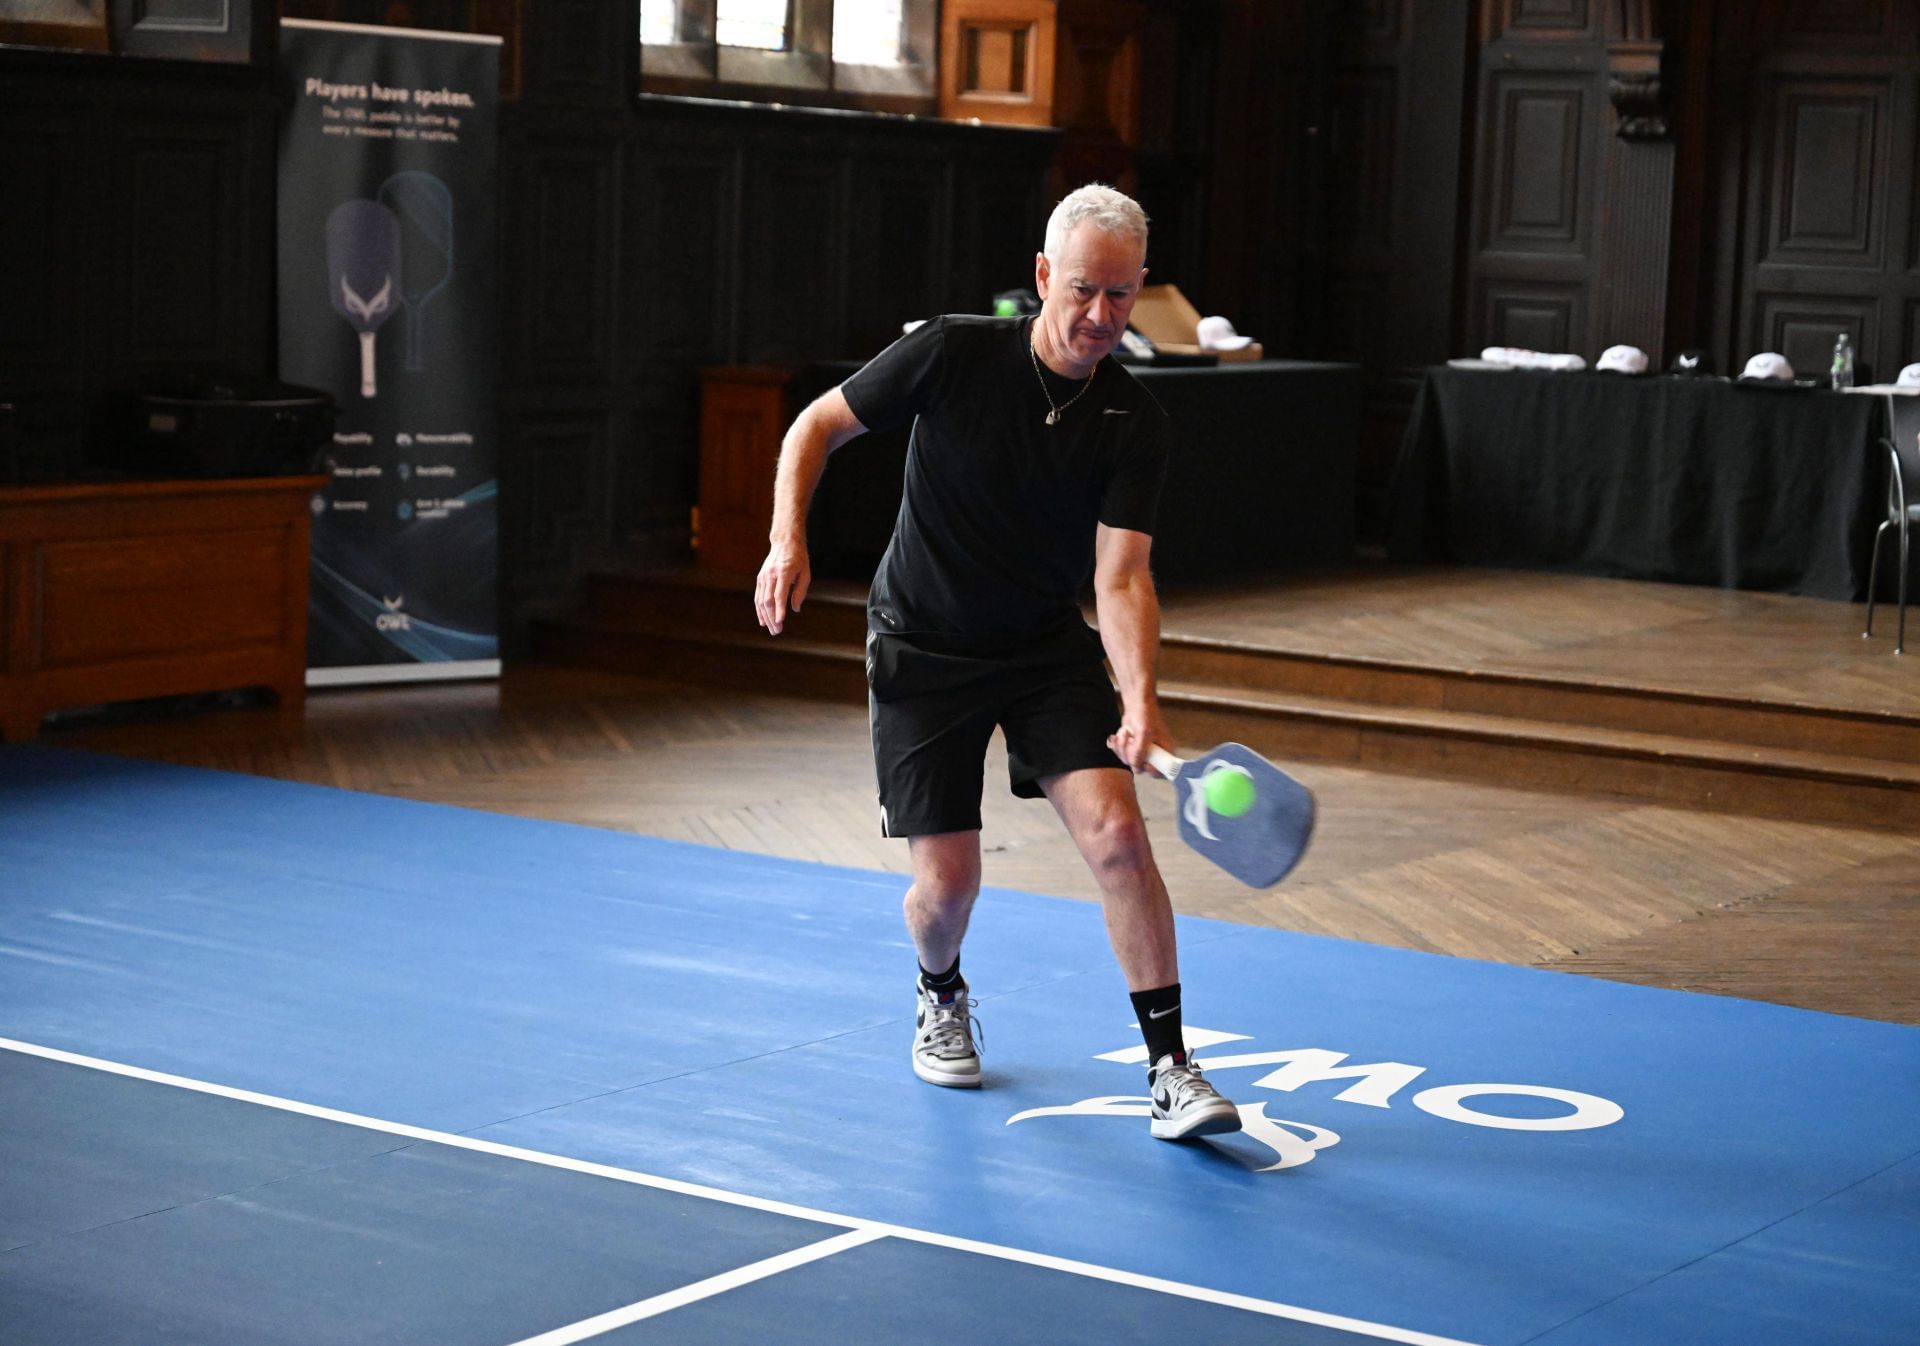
[(1166, 318)]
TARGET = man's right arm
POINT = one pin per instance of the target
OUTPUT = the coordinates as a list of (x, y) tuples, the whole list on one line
[(816, 432)]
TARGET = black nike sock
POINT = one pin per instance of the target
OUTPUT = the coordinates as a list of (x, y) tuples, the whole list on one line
[(1159, 1013), (941, 982)]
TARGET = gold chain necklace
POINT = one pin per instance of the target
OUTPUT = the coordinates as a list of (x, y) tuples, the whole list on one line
[(1055, 412)]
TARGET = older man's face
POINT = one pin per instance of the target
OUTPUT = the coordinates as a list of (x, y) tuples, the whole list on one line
[(1087, 294)]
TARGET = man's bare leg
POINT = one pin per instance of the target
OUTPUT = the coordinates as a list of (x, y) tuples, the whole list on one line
[(1102, 814), (946, 880)]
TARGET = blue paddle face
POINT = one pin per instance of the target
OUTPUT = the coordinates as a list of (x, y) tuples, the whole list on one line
[(1261, 845)]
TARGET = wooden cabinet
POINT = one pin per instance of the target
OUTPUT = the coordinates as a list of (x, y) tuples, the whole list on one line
[(158, 588), (744, 413)]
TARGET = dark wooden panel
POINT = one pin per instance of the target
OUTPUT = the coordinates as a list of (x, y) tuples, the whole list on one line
[(656, 470), (180, 185), (1536, 186), (1366, 114), (901, 214), (1002, 213), (42, 245), (582, 52), (682, 249), (794, 235), (551, 485), (1382, 20), (567, 275), (1803, 328), (1543, 19), (1830, 18), (1533, 316), (1830, 152)]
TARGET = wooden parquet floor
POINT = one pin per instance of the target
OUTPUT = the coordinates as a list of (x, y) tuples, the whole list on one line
[(1817, 916), (1677, 637)]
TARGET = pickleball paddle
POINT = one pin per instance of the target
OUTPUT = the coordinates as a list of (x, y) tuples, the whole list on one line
[(1258, 846), (424, 207), (363, 272)]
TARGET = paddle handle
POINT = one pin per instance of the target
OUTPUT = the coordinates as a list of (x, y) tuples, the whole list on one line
[(1165, 762)]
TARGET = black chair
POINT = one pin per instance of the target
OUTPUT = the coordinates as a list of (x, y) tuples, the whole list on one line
[(1903, 513)]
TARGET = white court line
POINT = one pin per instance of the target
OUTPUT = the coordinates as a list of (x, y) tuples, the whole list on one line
[(712, 1285), (877, 1228)]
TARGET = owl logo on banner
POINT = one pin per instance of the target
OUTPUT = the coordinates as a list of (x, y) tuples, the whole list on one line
[(1372, 1085)]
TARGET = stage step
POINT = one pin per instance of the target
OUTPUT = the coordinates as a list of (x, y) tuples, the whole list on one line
[(1808, 763)]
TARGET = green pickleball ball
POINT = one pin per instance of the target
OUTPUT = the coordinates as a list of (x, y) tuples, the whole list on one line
[(1229, 791)]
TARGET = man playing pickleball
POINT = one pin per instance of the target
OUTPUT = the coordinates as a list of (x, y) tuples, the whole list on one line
[(1034, 460)]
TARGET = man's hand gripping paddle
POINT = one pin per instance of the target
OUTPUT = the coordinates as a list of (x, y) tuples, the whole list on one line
[(1240, 811)]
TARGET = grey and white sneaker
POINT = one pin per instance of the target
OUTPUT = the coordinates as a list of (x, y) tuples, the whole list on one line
[(946, 1038), (1184, 1104)]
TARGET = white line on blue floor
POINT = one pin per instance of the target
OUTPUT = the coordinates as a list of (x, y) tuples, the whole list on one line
[(869, 1229)]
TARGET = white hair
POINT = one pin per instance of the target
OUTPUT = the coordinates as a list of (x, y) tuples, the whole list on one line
[(1101, 206)]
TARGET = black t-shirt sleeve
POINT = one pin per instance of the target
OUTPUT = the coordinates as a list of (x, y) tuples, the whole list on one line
[(1132, 497), (901, 381)]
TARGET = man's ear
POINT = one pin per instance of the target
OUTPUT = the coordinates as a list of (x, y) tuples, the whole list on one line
[(1042, 270)]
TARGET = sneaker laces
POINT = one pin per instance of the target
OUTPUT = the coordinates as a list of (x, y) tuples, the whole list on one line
[(951, 1028), (1185, 1084)]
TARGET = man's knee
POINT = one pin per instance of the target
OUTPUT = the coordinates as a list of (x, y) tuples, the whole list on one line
[(946, 874), (1115, 842)]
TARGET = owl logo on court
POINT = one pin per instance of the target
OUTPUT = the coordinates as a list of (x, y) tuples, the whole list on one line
[(1372, 1084)]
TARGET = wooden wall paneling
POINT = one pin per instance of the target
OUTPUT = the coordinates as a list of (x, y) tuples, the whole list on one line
[(1267, 249), (1827, 195), (1839, 18), (655, 472), (1541, 155), (45, 238), (1547, 19), (181, 223), (900, 263), (1174, 161), (1000, 215), (1802, 327), (795, 230), (1097, 92), (681, 245), (552, 488), (1535, 315), (1826, 202), (583, 53), (567, 274), (1537, 143), (136, 239), (1635, 252)]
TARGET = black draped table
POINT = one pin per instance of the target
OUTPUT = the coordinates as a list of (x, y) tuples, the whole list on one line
[(1261, 474), (1689, 480)]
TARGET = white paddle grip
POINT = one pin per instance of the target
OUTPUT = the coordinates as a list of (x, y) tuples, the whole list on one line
[(1164, 762)]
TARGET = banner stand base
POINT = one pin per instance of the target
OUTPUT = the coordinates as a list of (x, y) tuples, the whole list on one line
[(442, 671)]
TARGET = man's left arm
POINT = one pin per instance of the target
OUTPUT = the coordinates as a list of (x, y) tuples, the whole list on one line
[(1129, 615)]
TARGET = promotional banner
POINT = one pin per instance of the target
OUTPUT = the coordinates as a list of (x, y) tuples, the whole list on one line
[(387, 301)]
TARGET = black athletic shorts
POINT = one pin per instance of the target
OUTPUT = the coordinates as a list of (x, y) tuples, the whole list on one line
[(933, 712)]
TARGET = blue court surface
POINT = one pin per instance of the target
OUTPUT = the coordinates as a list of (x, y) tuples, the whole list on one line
[(288, 1064)]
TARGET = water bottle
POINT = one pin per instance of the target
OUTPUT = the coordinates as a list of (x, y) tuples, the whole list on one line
[(1842, 363)]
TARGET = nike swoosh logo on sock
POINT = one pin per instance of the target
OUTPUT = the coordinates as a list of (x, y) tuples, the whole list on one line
[(1161, 1014)]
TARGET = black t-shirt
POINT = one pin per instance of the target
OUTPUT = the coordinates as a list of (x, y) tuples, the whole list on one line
[(995, 538)]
